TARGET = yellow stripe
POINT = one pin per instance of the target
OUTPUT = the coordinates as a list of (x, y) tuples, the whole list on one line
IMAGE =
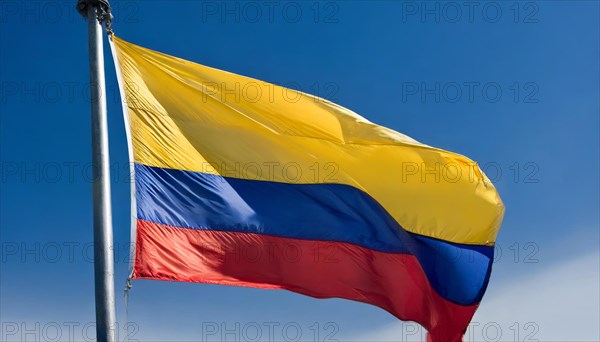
[(191, 117)]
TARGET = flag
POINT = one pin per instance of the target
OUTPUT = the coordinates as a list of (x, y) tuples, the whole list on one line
[(242, 182)]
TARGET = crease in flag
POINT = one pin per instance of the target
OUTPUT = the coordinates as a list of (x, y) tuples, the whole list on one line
[(242, 182)]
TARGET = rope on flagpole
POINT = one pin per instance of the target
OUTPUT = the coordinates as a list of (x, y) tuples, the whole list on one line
[(104, 14)]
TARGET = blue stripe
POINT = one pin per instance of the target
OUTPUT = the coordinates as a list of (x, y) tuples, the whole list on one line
[(326, 212)]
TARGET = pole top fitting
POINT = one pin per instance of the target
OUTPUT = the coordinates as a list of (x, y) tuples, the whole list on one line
[(104, 15)]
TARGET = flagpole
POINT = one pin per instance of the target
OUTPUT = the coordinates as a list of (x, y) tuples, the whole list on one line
[(97, 12)]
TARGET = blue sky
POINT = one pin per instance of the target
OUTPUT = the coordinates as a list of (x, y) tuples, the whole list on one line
[(513, 85)]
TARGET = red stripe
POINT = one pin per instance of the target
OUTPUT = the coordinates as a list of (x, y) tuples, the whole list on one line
[(321, 269)]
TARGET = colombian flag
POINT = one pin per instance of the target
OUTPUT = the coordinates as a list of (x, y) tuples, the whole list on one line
[(242, 182)]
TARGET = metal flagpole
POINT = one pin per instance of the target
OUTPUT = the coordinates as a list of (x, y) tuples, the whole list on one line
[(97, 12)]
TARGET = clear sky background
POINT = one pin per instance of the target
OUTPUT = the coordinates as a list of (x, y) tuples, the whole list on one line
[(513, 85)]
